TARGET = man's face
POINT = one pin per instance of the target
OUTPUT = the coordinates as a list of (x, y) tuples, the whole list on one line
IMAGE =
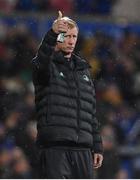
[(69, 43)]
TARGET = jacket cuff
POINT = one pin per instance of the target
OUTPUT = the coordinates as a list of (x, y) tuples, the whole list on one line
[(98, 148), (97, 144)]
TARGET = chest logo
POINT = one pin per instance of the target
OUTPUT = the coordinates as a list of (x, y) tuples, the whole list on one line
[(61, 74), (85, 77)]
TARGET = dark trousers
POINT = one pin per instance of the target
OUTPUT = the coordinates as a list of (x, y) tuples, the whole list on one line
[(66, 163)]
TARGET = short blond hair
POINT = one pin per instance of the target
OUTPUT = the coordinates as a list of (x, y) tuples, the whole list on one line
[(71, 23)]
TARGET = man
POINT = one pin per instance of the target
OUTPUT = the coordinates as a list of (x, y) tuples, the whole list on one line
[(68, 131)]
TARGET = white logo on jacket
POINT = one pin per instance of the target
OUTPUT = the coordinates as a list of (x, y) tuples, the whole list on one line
[(85, 77), (61, 74)]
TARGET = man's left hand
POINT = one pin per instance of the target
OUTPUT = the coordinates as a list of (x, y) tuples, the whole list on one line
[(97, 160)]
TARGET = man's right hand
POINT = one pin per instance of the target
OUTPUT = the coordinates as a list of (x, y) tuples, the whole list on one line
[(60, 25)]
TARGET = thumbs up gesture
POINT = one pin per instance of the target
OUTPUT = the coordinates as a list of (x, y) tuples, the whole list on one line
[(60, 25), (59, 15)]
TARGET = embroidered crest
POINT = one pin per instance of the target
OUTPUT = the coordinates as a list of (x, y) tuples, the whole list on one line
[(61, 74), (85, 77)]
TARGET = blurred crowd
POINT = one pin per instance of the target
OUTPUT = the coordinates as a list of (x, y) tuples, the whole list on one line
[(17, 121), (102, 7), (115, 68)]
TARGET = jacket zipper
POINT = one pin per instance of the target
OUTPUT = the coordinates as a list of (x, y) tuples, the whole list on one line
[(78, 105)]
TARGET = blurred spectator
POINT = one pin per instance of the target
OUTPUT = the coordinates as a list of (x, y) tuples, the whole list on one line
[(5, 159), (20, 166), (124, 78), (109, 169), (112, 95)]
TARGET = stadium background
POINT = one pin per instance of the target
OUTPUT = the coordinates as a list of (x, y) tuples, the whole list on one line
[(110, 40)]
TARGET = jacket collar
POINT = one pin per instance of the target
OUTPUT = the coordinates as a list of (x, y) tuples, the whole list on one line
[(80, 64)]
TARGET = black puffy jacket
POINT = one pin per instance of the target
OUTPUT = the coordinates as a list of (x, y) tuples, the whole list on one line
[(65, 98)]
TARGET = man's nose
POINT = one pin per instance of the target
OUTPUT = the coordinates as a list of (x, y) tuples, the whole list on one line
[(71, 41)]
